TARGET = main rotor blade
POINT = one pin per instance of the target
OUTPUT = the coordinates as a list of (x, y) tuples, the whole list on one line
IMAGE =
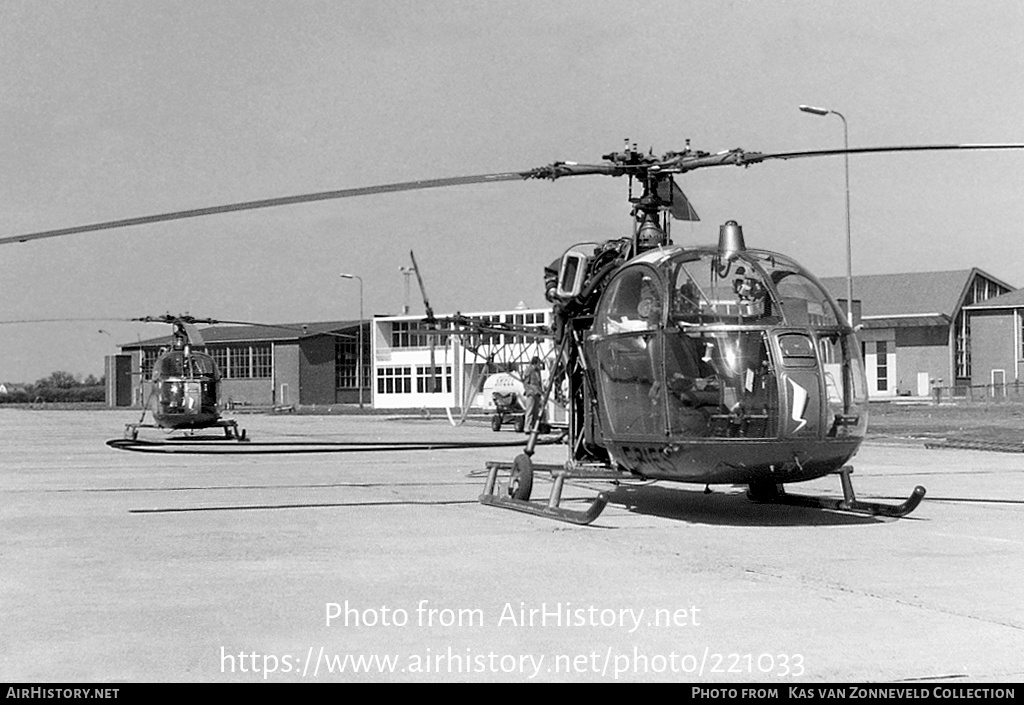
[(898, 148), (674, 163), (270, 203), (738, 157), (67, 320)]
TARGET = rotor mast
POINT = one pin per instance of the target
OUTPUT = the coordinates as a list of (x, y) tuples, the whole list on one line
[(650, 210)]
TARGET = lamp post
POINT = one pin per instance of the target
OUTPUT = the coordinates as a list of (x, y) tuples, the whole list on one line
[(849, 241), (407, 271), (359, 352)]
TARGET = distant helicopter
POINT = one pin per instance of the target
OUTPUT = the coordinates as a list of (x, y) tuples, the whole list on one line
[(185, 385), (714, 364)]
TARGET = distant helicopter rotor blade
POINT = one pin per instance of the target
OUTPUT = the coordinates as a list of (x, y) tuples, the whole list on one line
[(220, 321), (279, 326), (270, 203)]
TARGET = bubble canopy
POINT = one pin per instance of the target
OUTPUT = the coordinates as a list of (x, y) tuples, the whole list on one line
[(176, 364), (696, 286)]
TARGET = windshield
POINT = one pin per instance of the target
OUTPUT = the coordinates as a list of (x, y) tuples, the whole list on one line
[(755, 286), (632, 303), (173, 365)]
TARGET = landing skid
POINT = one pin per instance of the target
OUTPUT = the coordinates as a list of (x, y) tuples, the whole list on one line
[(230, 426), (775, 494), (520, 486)]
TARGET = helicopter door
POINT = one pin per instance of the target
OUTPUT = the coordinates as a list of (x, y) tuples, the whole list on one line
[(629, 364), (801, 386), (193, 397)]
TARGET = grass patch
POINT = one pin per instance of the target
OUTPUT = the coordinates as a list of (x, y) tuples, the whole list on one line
[(988, 421)]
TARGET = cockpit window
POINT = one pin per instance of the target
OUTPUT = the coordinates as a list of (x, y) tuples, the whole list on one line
[(632, 303), (173, 364), (708, 291), (803, 301), (753, 287)]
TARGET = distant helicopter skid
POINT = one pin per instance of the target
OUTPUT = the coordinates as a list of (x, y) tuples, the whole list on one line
[(230, 426)]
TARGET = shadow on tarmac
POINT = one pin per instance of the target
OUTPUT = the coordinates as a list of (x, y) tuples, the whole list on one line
[(727, 509)]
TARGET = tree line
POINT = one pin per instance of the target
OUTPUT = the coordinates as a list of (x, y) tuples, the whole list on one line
[(59, 386)]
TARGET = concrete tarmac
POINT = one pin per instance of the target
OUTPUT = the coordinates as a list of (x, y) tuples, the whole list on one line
[(382, 566)]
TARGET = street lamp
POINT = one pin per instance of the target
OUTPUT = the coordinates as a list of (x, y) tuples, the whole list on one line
[(849, 242), (359, 352), (407, 271)]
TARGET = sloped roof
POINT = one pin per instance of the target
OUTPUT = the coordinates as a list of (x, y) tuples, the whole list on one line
[(278, 332), (1015, 299), (910, 293), (923, 321)]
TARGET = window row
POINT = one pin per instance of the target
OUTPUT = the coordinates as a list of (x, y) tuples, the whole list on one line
[(400, 380), (233, 361), (243, 361), (411, 334)]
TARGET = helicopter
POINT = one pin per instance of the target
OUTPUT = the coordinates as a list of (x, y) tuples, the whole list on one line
[(184, 379), (185, 384), (710, 364), (185, 391)]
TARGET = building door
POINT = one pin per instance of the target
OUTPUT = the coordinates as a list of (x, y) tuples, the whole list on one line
[(119, 380), (998, 386), (924, 384)]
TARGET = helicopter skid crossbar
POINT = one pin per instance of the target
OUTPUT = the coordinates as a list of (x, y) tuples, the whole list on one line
[(551, 509), (849, 502)]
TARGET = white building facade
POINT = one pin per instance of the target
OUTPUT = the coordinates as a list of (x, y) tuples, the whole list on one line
[(414, 367)]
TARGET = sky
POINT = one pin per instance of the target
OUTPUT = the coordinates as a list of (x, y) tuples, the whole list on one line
[(129, 108)]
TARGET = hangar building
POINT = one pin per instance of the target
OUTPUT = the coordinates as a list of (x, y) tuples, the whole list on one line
[(280, 365), (997, 339), (916, 332)]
